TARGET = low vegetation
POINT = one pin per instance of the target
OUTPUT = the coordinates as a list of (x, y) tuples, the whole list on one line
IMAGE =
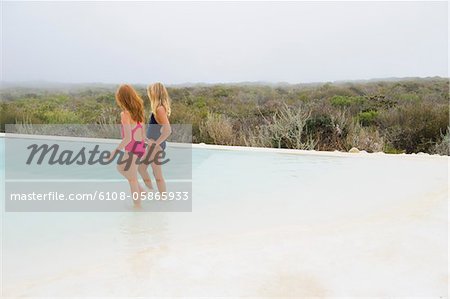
[(401, 116)]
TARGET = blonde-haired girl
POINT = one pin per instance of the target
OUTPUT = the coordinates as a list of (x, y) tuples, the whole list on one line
[(157, 132)]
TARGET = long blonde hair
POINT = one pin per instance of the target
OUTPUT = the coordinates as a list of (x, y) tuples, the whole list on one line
[(158, 95), (128, 99)]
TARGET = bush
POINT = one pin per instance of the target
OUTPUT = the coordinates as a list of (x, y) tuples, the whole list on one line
[(345, 101), (218, 129), (443, 147), (367, 118), (414, 127), (364, 138), (409, 97), (285, 130), (322, 129)]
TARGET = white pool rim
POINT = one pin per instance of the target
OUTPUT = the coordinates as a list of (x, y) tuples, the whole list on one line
[(233, 148)]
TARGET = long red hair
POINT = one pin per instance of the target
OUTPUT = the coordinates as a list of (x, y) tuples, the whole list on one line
[(128, 99)]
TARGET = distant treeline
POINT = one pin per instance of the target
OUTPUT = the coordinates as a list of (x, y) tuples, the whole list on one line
[(392, 116)]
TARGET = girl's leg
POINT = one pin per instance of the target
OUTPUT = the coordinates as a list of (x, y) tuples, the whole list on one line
[(143, 171), (132, 178), (160, 182), (131, 175), (157, 172)]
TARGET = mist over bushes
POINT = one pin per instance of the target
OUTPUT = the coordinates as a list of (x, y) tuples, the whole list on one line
[(410, 115)]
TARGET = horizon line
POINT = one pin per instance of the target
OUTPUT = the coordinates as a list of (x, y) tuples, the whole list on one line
[(257, 82)]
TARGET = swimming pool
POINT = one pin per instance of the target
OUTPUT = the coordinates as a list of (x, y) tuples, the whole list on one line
[(264, 223)]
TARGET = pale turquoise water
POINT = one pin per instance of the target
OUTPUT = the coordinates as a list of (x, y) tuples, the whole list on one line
[(259, 213)]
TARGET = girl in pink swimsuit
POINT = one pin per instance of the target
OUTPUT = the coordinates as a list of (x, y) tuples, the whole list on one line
[(135, 147), (133, 137)]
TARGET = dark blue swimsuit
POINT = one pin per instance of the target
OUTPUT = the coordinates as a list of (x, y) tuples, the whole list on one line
[(154, 131)]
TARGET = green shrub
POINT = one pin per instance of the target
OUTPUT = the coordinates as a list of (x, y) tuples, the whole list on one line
[(388, 149), (322, 128), (221, 91), (345, 101), (200, 103), (414, 127), (367, 118), (409, 97)]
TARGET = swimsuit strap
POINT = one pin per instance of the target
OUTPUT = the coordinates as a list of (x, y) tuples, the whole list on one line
[(153, 120), (138, 125)]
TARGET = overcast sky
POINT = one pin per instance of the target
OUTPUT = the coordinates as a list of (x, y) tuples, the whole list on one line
[(142, 42)]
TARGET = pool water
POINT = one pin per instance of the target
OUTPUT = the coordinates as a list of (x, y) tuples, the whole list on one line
[(263, 224)]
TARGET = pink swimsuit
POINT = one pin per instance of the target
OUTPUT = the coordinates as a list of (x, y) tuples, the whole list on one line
[(135, 147)]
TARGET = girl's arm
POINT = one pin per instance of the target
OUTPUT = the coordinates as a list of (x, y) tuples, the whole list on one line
[(125, 119), (163, 120)]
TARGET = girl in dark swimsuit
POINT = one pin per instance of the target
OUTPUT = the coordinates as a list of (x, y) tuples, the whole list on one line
[(157, 132), (154, 131)]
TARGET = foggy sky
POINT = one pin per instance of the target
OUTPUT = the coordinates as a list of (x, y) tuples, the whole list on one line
[(142, 42)]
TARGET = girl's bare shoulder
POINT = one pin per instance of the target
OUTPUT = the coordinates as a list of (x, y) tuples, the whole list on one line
[(161, 110), (161, 115), (125, 116)]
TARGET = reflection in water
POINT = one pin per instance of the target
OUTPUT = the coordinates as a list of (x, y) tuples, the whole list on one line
[(144, 241)]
